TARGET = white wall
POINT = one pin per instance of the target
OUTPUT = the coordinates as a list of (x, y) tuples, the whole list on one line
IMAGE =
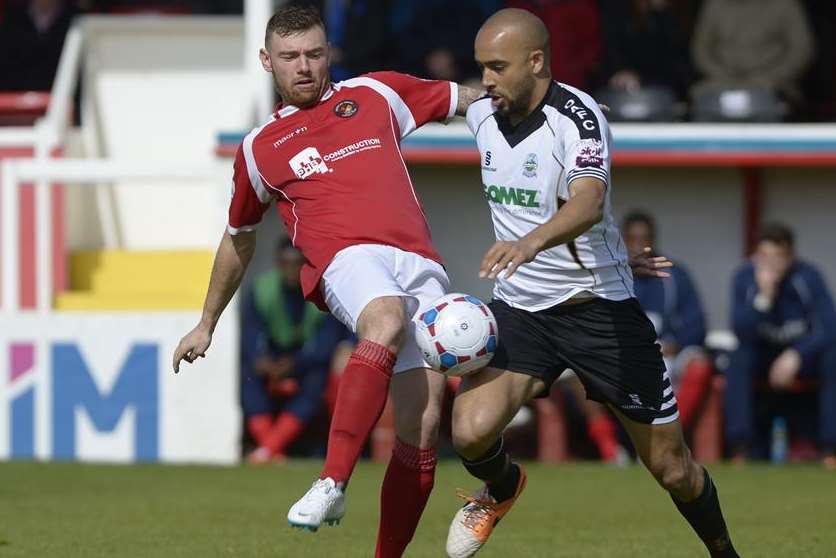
[(158, 90)]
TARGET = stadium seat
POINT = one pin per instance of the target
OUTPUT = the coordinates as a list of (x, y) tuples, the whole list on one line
[(136, 280), (737, 105), (648, 104)]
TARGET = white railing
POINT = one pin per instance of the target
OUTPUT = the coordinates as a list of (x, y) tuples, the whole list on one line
[(72, 173)]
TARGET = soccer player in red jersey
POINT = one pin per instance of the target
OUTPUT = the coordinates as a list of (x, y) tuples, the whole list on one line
[(330, 158)]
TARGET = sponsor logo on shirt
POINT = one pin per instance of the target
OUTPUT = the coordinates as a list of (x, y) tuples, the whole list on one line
[(294, 133), (530, 165), (308, 162), (590, 153), (353, 149), (346, 109), (519, 197), (487, 165)]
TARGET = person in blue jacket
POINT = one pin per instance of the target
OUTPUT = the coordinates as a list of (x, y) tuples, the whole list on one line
[(287, 346), (784, 319), (673, 306)]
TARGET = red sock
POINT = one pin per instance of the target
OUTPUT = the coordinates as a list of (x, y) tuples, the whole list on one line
[(259, 427), (285, 430), (364, 387), (692, 389), (406, 488), (602, 431)]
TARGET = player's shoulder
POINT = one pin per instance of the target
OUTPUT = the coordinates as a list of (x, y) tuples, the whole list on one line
[(478, 112), (571, 108), (375, 80)]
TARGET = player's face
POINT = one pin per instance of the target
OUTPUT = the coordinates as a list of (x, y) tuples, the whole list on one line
[(299, 64), (507, 74), (637, 236)]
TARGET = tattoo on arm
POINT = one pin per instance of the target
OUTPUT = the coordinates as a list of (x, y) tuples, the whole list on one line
[(467, 95)]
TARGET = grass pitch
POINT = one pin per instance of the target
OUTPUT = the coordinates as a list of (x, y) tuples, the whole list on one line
[(590, 511)]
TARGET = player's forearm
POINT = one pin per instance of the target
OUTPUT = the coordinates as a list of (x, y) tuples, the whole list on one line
[(467, 96), (231, 260), (580, 213)]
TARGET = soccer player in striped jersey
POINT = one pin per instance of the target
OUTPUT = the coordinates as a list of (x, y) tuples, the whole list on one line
[(563, 296)]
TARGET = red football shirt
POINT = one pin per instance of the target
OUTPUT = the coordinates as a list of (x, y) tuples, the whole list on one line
[(336, 170)]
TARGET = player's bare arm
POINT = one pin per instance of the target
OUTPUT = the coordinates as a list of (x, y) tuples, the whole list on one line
[(467, 96), (583, 210), (231, 260)]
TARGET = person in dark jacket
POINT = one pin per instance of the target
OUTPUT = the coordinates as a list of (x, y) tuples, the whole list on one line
[(784, 319), (674, 307), (287, 346)]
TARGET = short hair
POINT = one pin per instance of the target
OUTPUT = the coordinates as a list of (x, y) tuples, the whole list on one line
[(638, 217), (292, 19), (779, 234)]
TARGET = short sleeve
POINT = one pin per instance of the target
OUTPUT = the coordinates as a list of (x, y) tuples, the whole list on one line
[(586, 140), (413, 101), (249, 202), (477, 112)]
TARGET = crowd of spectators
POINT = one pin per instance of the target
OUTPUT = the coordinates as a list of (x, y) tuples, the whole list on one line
[(687, 52)]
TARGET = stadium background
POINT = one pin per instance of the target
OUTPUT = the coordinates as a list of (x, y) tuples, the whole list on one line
[(114, 189)]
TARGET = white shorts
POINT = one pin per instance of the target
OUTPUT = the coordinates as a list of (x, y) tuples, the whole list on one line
[(359, 274)]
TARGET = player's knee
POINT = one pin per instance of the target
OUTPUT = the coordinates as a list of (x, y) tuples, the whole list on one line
[(384, 321), (673, 470), (472, 434)]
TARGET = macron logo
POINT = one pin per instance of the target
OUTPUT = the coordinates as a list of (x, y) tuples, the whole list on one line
[(308, 162)]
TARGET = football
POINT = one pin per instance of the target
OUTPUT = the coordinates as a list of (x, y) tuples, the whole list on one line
[(457, 334)]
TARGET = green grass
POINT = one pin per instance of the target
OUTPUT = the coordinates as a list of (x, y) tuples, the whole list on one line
[(68, 510)]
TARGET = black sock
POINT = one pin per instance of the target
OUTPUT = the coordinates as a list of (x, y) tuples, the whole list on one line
[(706, 519), (495, 468)]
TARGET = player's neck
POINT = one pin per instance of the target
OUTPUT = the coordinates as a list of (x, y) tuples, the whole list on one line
[(541, 89)]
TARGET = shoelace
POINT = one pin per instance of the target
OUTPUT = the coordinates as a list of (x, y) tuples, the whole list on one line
[(476, 511), (318, 486)]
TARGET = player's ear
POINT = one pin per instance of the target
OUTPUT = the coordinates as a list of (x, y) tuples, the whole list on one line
[(266, 63), (537, 61)]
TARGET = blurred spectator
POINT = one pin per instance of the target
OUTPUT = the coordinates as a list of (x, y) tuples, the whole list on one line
[(764, 44), (674, 307), (31, 38), (287, 346), (357, 31), (785, 322), (575, 37), (644, 45), (434, 38)]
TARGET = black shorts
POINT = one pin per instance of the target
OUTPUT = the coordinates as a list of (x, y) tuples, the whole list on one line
[(611, 346)]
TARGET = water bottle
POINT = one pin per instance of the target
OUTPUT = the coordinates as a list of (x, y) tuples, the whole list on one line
[(779, 440)]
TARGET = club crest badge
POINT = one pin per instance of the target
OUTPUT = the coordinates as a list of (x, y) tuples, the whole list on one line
[(530, 165), (346, 109)]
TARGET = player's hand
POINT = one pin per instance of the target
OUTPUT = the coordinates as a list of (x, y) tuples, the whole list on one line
[(192, 346), (647, 265), (785, 369), (507, 256)]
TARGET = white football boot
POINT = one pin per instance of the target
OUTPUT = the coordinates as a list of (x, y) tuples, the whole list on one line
[(323, 503)]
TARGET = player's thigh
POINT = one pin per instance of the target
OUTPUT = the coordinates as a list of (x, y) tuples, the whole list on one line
[(612, 348), (418, 396), (361, 290), (425, 281), (486, 403)]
